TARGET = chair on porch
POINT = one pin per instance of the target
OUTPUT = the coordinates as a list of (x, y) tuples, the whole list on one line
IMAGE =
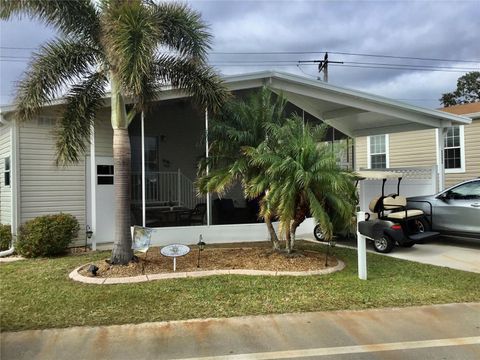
[(197, 215)]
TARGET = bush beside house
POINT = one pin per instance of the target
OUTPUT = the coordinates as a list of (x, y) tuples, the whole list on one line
[(47, 235), (5, 237)]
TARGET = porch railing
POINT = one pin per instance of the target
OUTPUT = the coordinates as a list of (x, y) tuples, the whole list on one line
[(165, 187)]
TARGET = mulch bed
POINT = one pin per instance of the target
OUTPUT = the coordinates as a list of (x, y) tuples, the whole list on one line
[(216, 259)]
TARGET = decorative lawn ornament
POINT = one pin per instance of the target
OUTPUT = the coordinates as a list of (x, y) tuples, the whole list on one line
[(175, 250)]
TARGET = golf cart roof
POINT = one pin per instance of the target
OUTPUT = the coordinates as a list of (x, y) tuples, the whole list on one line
[(378, 175)]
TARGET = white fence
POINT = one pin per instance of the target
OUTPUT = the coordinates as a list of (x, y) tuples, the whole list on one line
[(168, 187), (415, 182)]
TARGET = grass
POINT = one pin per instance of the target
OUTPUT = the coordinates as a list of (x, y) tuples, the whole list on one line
[(37, 294)]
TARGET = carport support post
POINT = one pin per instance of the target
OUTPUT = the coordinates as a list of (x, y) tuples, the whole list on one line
[(361, 249)]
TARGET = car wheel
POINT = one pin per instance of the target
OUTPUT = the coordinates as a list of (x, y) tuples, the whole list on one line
[(420, 225), (383, 244), (318, 233)]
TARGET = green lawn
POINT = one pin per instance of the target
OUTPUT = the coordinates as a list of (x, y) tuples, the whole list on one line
[(38, 294)]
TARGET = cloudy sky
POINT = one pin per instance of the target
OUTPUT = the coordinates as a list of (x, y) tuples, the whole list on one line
[(261, 35)]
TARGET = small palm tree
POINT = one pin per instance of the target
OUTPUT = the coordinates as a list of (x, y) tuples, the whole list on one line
[(300, 176), (242, 123), (133, 46)]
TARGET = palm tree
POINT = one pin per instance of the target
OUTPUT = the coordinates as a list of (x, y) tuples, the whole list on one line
[(241, 124), (135, 47), (300, 176)]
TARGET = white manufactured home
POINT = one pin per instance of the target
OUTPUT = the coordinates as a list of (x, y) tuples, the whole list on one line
[(166, 147)]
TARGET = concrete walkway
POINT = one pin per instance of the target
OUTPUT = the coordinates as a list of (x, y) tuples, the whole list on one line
[(428, 332)]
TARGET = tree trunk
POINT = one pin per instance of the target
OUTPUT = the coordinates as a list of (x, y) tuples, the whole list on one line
[(273, 234), (122, 247), (288, 238), (300, 216)]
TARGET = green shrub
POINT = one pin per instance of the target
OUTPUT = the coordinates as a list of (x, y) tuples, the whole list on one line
[(46, 235), (5, 237)]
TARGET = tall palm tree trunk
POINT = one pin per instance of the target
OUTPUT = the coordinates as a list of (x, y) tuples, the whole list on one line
[(122, 246)]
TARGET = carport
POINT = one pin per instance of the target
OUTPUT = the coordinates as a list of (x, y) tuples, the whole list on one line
[(352, 112)]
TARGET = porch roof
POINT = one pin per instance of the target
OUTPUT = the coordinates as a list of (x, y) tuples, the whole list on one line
[(353, 112)]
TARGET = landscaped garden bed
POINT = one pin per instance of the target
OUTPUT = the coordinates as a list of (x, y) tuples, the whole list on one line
[(256, 258)]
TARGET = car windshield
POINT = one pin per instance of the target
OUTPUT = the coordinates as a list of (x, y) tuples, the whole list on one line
[(469, 190)]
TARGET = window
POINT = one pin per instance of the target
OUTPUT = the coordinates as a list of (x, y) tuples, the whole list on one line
[(378, 152), (454, 159), (466, 191), (6, 169), (105, 174)]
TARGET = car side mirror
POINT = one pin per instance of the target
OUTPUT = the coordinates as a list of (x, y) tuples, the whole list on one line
[(445, 196)]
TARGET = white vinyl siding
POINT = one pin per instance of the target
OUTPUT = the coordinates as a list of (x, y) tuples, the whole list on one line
[(5, 191), (103, 136), (44, 187)]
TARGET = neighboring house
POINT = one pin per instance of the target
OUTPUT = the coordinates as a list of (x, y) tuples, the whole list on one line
[(32, 185), (420, 148)]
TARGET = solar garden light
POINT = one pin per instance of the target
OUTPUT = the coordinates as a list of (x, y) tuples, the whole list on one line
[(89, 234), (201, 247)]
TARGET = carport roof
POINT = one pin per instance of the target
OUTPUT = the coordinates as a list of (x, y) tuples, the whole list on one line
[(353, 112)]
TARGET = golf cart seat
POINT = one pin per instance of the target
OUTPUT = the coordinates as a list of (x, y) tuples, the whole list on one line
[(397, 204)]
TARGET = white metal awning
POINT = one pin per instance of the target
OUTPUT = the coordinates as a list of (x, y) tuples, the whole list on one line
[(353, 112)]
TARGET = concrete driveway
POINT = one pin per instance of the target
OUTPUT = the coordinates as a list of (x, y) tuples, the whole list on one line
[(456, 253)]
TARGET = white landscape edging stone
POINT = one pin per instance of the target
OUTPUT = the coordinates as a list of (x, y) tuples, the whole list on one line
[(76, 276)]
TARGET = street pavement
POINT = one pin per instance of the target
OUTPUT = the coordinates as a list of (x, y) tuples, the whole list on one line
[(449, 331)]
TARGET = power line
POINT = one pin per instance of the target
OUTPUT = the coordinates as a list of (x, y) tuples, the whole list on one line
[(337, 53), (302, 53)]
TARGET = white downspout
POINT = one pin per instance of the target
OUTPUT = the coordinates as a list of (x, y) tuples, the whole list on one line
[(440, 157), (206, 156), (144, 213), (14, 179), (93, 186)]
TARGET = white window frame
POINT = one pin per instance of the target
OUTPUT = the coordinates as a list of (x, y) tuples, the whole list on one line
[(387, 151), (9, 171), (461, 169)]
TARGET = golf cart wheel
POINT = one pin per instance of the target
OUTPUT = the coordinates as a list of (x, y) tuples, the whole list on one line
[(318, 233), (383, 244)]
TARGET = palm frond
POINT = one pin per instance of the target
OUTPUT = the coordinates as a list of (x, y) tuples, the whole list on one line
[(195, 78), (77, 18), (130, 39), (58, 64), (83, 102), (182, 29)]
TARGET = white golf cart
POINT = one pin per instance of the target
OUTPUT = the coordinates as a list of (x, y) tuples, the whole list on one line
[(390, 222)]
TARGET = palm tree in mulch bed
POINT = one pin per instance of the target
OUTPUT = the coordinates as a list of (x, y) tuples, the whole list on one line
[(241, 124), (300, 176), (134, 47)]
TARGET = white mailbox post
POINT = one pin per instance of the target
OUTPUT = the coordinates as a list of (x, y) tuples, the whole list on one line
[(361, 249)]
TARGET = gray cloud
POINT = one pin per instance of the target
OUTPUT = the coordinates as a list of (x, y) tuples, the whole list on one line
[(426, 29)]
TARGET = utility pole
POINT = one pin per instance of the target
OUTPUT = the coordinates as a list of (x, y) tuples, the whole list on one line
[(323, 66)]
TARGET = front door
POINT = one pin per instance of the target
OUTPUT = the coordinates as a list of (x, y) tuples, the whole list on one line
[(105, 202)]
